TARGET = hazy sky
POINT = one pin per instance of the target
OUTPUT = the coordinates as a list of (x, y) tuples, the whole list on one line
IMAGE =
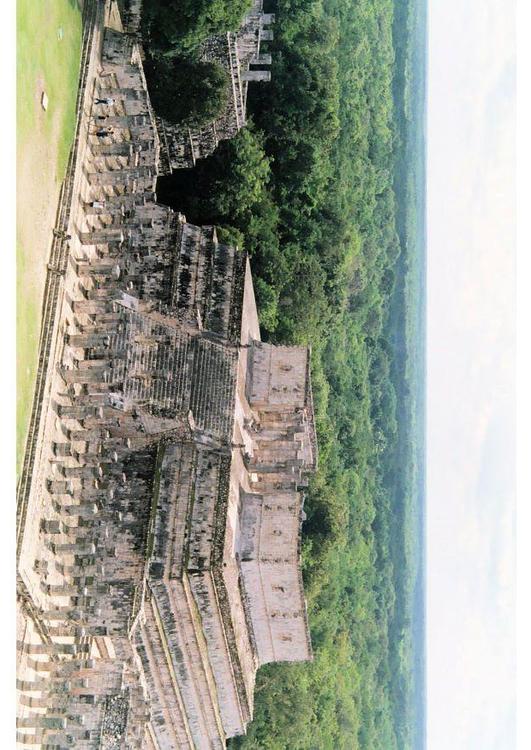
[(471, 349)]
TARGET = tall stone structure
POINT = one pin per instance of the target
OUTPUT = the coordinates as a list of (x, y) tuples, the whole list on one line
[(159, 539), (239, 53)]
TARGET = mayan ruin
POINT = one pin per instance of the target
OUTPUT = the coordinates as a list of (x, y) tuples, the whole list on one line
[(161, 498), (240, 55)]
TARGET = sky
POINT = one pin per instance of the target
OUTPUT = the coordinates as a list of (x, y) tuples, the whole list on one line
[(471, 703)]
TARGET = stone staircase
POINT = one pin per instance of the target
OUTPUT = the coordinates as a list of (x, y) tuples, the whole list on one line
[(214, 373)]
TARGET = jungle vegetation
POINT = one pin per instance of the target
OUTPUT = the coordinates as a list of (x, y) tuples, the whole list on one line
[(184, 90), (322, 190)]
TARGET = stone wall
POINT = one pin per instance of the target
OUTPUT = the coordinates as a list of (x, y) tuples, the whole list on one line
[(269, 564), (173, 510), (182, 689), (198, 483), (278, 376), (140, 626)]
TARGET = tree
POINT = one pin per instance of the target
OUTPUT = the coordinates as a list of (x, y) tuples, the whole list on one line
[(186, 92), (176, 28)]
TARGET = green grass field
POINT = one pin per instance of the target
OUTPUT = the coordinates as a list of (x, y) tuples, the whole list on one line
[(48, 53)]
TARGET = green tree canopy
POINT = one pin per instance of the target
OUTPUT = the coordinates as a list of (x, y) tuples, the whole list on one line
[(186, 92)]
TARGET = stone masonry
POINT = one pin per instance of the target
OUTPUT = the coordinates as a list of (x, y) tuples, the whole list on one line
[(240, 54), (159, 544)]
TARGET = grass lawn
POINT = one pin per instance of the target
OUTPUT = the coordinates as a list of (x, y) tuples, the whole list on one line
[(48, 54)]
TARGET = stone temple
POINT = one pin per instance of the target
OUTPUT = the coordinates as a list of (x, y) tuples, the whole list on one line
[(239, 53), (161, 502)]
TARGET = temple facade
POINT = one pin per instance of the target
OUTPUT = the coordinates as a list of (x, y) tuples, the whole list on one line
[(159, 518)]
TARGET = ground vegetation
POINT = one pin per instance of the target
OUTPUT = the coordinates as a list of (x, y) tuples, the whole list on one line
[(48, 54)]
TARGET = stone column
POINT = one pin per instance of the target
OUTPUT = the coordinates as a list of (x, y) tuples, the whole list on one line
[(124, 92), (102, 268), (59, 487), (92, 307), (89, 339), (126, 121), (124, 148), (130, 200), (104, 322), (119, 176), (61, 449), (102, 236)]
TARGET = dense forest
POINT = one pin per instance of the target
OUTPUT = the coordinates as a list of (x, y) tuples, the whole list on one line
[(318, 190)]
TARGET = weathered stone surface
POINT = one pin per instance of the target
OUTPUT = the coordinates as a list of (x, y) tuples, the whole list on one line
[(236, 52), (159, 562)]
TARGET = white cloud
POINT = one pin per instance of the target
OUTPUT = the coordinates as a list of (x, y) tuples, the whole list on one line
[(470, 467)]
